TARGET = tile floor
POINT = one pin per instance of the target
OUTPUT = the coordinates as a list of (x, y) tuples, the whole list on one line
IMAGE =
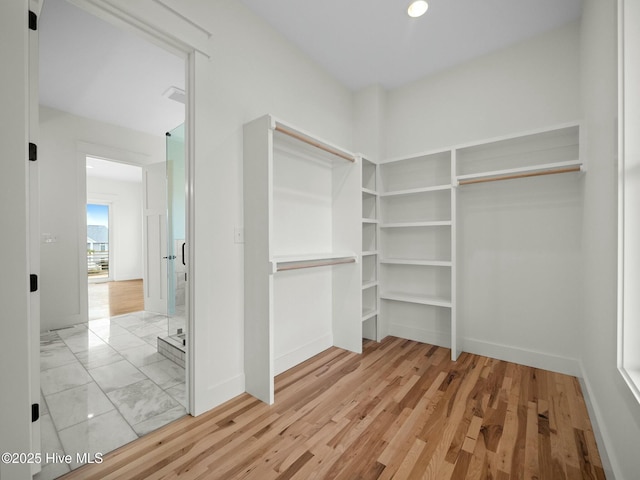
[(103, 384)]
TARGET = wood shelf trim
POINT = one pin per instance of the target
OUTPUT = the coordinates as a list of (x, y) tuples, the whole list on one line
[(438, 223), (311, 141), (412, 191), (407, 261), (369, 253), (300, 264), (370, 220), (419, 299), (368, 191), (522, 172), (296, 262)]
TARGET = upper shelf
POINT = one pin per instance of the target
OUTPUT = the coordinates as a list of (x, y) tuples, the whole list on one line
[(411, 191)]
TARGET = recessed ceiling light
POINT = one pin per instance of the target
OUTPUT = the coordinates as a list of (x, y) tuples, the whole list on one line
[(417, 8)]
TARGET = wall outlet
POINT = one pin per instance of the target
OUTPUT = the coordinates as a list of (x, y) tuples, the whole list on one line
[(238, 235)]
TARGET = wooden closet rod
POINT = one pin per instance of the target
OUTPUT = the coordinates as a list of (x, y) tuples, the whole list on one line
[(519, 175), (321, 263), (310, 141)]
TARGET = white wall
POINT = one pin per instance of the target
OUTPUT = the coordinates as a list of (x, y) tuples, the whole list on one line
[(125, 199), (532, 84), (65, 139), (520, 247), (252, 71), (616, 409)]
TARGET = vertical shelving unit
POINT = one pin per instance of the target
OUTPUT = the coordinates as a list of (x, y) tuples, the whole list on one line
[(302, 218), (417, 233), (370, 251)]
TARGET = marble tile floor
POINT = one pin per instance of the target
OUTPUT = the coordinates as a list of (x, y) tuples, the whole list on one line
[(103, 384)]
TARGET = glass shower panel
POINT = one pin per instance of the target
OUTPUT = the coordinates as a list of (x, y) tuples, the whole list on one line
[(176, 238)]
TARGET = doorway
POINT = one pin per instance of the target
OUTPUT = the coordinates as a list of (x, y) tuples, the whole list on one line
[(98, 251), (104, 383)]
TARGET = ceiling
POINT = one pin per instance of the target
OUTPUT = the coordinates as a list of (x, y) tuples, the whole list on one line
[(97, 167), (368, 42), (92, 69)]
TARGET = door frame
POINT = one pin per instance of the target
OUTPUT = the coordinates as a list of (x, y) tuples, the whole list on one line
[(189, 49)]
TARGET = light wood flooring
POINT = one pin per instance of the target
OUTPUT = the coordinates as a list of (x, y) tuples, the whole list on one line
[(400, 410), (109, 299)]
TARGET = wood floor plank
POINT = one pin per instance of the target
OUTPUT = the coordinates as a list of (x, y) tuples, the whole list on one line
[(401, 410)]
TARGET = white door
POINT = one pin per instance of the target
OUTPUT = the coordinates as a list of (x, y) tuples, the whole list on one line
[(154, 187), (34, 226)]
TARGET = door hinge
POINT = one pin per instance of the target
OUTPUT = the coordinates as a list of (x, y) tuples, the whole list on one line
[(33, 152), (35, 412), (33, 21), (33, 281)]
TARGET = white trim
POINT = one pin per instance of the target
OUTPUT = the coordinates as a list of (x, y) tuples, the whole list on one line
[(432, 337), (294, 357), (522, 356), (628, 367), (219, 393), (603, 439)]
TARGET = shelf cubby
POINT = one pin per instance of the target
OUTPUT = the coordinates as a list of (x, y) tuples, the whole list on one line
[(549, 149), (417, 283), (418, 172), (429, 206), (417, 244)]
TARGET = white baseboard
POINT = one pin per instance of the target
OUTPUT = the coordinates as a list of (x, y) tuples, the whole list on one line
[(214, 395), (598, 424), (441, 339), (290, 359), (530, 358)]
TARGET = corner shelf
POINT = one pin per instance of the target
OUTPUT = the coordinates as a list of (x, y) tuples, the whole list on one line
[(413, 191), (368, 314), (419, 299)]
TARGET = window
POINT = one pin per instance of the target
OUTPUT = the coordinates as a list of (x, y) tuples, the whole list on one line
[(629, 194)]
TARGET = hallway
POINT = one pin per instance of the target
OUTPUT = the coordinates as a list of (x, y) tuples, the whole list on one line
[(109, 299), (104, 384)]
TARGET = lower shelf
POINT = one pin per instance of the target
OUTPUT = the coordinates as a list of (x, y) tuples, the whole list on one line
[(367, 314), (420, 299)]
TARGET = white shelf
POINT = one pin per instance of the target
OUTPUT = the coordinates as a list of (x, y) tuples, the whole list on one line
[(521, 170), (369, 253), (368, 313), (407, 261), (420, 299), (440, 223), (369, 220), (412, 191), (311, 257), (373, 283), (368, 191)]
